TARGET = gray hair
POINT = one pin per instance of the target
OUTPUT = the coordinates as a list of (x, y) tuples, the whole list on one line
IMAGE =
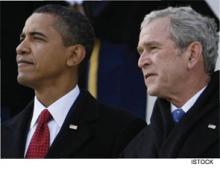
[(187, 26)]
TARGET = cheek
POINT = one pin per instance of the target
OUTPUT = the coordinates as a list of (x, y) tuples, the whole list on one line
[(172, 73), (165, 71), (40, 54), (48, 57), (55, 62)]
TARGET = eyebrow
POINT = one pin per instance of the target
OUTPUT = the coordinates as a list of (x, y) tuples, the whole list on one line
[(34, 33), (151, 43)]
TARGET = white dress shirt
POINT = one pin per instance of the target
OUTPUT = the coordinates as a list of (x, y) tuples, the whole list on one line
[(190, 102), (59, 110)]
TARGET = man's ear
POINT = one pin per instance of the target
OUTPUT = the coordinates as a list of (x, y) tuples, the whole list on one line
[(194, 54), (76, 54)]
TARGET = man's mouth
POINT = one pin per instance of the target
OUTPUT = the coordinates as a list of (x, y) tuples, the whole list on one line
[(148, 75), (22, 62)]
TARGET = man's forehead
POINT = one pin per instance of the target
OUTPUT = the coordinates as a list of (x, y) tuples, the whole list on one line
[(42, 19), (38, 21), (156, 24), (154, 29)]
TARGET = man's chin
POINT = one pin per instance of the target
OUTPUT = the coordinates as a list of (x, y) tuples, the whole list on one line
[(152, 92), (24, 81)]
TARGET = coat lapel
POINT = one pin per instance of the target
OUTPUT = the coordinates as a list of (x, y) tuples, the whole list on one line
[(202, 139), (205, 121), (77, 128), (192, 135)]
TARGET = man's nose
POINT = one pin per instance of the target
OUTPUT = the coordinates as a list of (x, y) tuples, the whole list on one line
[(23, 47), (143, 60)]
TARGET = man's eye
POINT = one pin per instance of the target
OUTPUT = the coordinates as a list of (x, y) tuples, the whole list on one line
[(21, 39), (153, 47), (140, 51), (38, 38)]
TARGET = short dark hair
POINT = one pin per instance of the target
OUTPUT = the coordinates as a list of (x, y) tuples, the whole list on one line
[(73, 26)]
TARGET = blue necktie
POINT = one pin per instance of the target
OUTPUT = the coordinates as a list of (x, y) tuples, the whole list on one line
[(177, 115)]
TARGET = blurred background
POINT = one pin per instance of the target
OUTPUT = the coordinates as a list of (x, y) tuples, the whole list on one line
[(111, 73)]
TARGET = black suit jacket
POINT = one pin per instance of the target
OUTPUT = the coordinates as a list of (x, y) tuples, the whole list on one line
[(195, 136), (102, 132)]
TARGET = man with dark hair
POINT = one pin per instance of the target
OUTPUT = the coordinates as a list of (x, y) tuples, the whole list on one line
[(178, 50), (63, 121)]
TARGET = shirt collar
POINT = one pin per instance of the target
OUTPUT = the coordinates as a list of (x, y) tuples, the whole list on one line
[(190, 102), (59, 109)]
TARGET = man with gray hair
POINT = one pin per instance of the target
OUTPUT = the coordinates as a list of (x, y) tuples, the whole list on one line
[(178, 52)]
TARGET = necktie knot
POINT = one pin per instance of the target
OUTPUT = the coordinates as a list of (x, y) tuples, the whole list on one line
[(44, 117), (177, 115)]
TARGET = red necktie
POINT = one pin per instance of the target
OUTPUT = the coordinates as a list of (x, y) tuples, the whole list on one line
[(40, 141)]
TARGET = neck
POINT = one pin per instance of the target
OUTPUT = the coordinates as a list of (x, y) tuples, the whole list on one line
[(50, 93), (189, 90)]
